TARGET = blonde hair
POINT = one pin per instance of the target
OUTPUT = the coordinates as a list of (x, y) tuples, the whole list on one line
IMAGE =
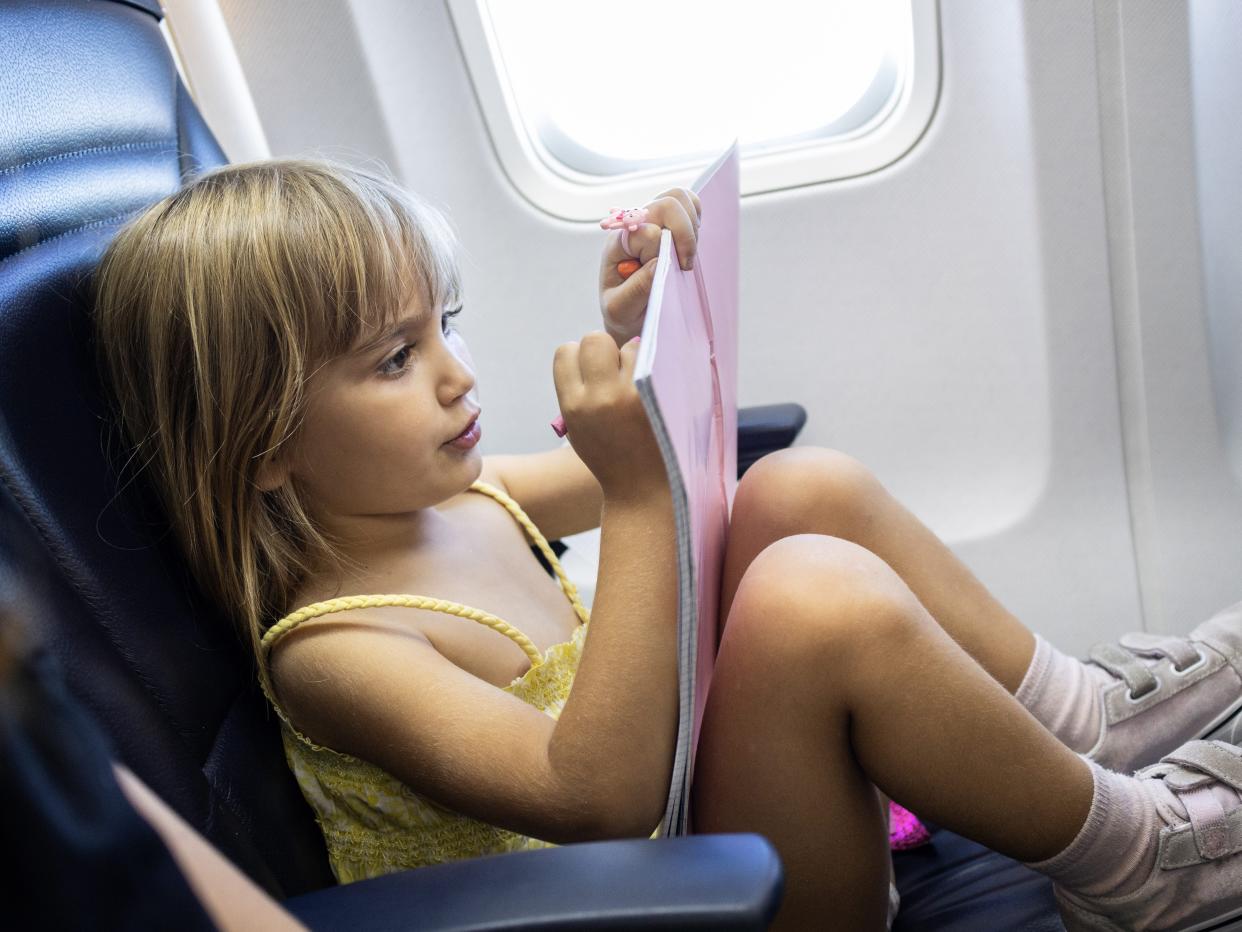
[(214, 307)]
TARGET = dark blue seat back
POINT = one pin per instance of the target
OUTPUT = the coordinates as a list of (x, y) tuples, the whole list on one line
[(94, 126)]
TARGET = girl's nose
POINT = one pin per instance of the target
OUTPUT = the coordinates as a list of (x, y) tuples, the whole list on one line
[(458, 376)]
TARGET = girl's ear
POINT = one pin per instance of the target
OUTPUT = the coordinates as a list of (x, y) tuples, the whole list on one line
[(272, 474)]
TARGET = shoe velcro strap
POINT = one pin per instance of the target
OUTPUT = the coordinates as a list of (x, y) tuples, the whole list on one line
[(1124, 665), (1209, 822), (1222, 761), (1211, 833), (1179, 650), (1180, 847)]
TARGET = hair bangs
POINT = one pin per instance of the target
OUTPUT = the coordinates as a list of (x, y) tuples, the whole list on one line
[(379, 251)]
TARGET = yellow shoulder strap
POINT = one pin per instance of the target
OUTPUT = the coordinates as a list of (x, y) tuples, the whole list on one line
[(355, 602), (567, 585)]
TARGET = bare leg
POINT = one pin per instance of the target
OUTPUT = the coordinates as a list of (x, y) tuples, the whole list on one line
[(832, 677), (810, 490)]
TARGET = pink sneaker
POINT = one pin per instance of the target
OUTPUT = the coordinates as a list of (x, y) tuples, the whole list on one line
[(1189, 875), (1158, 691)]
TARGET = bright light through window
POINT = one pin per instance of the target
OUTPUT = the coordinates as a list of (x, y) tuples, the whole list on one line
[(605, 89)]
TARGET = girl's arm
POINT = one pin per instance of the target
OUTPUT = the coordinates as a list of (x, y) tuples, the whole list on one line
[(555, 489), (382, 692), (229, 896)]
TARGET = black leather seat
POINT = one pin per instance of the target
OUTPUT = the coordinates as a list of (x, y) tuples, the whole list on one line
[(94, 125)]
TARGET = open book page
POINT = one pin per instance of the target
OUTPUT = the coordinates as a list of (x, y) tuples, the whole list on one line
[(686, 373)]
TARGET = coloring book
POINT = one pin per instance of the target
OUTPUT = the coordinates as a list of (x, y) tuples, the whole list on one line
[(686, 372)]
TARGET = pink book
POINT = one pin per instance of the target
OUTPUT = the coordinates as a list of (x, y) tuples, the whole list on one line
[(686, 373)]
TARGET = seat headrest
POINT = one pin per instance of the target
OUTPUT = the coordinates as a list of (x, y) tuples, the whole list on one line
[(95, 126)]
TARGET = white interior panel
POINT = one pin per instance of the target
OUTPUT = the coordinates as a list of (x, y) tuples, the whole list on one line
[(1216, 73), (1184, 499), (1007, 324)]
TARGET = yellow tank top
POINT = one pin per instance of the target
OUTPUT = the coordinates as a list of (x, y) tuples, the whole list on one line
[(372, 822)]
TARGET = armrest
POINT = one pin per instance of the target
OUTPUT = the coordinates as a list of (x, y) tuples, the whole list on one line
[(764, 428), (697, 882)]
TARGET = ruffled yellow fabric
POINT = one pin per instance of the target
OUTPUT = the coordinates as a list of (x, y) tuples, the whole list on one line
[(372, 822)]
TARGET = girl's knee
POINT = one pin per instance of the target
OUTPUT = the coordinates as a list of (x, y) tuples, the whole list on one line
[(811, 599), (809, 483)]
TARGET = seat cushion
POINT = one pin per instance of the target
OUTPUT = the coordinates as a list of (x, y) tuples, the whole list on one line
[(956, 885)]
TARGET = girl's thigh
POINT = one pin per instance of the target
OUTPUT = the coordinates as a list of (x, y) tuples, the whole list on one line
[(774, 755)]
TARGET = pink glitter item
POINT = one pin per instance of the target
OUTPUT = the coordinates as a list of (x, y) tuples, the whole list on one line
[(904, 829)]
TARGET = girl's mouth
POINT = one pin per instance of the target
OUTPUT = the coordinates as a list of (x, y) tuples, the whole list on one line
[(468, 437)]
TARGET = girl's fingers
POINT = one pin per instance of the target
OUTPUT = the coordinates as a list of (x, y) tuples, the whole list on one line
[(597, 358), (690, 201), (680, 210), (636, 288), (644, 243), (625, 304), (669, 212), (566, 373), (629, 357)]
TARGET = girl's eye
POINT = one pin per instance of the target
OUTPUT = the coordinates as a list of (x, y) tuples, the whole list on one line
[(446, 320), (395, 364), (399, 361)]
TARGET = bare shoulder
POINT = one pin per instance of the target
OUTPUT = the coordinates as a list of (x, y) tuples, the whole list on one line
[(325, 670), (324, 655)]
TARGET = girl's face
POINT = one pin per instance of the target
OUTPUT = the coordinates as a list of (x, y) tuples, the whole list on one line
[(375, 440)]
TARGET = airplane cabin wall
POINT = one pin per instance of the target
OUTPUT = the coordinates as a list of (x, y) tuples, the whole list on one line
[(1185, 500), (1216, 40), (1009, 324)]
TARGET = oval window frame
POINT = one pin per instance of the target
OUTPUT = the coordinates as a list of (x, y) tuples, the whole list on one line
[(573, 195)]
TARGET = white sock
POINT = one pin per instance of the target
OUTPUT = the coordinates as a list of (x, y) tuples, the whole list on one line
[(1063, 693), (1105, 852), (1116, 848)]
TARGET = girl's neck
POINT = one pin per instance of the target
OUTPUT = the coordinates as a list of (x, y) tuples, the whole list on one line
[(370, 540), (376, 551)]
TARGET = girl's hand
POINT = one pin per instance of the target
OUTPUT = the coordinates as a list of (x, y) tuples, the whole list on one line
[(604, 415), (623, 301)]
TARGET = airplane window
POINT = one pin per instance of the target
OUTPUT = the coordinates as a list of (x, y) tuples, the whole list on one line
[(785, 70), (588, 96)]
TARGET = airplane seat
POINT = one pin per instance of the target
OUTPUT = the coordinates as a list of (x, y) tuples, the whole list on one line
[(95, 125)]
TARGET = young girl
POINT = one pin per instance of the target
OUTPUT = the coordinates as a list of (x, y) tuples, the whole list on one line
[(279, 338)]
